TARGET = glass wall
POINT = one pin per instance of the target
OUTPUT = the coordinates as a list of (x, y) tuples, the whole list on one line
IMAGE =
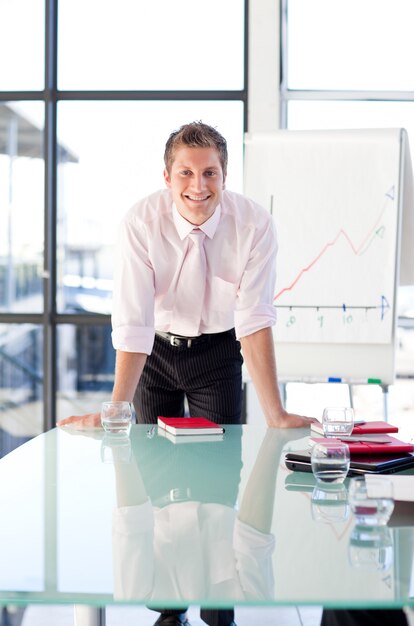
[(350, 45), (88, 96), (22, 45), (157, 45), (21, 206), (347, 64)]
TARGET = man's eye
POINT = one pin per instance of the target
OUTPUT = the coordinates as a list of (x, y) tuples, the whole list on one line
[(185, 172), (210, 173)]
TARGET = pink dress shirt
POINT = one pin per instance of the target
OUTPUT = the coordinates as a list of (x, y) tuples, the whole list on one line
[(240, 246)]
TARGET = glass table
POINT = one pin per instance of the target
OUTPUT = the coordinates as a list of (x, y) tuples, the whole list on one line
[(96, 520)]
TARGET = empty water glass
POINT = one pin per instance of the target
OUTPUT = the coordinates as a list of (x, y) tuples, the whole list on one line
[(337, 421), (330, 461), (116, 417)]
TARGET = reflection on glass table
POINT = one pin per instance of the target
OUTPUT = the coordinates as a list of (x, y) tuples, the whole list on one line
[(212, 524), (371, 547), (330, 503)]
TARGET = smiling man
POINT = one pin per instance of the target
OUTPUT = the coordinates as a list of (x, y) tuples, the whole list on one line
[(193, 290)]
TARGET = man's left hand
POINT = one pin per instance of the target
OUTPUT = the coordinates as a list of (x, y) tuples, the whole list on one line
[(290, 420)]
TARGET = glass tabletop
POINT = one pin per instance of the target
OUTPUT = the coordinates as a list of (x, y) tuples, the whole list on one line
[(88, 518)]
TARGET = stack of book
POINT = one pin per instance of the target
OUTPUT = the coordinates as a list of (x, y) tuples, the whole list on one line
[(367, 438), (372, 446), (189, 429)]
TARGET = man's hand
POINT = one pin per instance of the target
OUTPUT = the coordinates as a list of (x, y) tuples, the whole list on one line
[(290, 420), (82, 422)]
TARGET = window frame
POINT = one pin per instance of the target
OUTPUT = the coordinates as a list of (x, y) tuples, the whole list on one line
[(50, 319)]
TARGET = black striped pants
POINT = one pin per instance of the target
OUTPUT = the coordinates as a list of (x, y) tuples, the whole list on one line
[(208, 373)]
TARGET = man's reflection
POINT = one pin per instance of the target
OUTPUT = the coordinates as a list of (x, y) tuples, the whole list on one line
[(177, 537)]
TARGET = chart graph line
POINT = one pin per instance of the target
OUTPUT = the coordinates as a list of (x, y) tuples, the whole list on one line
[(384, 307), (356, 249)]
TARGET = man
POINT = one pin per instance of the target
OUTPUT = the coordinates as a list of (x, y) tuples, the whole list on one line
[(194, 282), (195, 262)]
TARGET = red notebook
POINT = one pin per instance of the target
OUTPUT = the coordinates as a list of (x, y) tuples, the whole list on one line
[(367, 447), (366, 428), (189, 426)]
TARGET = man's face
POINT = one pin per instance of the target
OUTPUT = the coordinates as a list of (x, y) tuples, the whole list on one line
[(196, 181)]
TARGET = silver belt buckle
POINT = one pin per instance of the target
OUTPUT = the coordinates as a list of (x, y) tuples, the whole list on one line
[(176, 341)]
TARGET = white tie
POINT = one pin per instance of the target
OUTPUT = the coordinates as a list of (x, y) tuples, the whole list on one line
[(190, 289)]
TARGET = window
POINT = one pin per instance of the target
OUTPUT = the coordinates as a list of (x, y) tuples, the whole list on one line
[(88, 96), (349, 45), (347, 64), (157, 45), (22, 45)]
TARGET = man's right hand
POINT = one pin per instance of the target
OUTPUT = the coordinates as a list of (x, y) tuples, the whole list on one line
[(82, 422)]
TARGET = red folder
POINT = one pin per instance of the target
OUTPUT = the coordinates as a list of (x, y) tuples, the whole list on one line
[(189, 426), (364, 447), (367, 428), (374, 427)]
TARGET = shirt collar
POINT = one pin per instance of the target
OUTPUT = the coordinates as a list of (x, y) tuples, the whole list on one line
[(184, 227)]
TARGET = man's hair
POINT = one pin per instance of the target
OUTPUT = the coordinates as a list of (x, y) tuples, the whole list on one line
[(195, 135)]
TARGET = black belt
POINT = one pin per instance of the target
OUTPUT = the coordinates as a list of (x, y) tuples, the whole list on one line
[(179, 341)]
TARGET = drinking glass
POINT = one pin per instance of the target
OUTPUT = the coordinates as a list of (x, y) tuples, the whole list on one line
[(330, 461), (337, 420), (116, 417), (371, 503)]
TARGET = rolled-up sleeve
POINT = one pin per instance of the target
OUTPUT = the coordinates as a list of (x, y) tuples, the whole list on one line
[(133, 292), (254, 305), (253, 552)]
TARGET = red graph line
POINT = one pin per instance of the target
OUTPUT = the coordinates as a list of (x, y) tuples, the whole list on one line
[(355, 249)]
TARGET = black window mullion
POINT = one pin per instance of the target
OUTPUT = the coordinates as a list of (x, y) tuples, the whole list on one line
[(50, 220)]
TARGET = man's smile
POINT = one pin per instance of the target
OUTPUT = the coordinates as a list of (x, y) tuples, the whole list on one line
[(197, 198)]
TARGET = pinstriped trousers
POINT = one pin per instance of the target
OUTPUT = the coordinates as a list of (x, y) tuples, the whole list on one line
[(208, 374)]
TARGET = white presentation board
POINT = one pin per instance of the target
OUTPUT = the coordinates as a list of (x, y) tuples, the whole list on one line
[(336, 197)]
